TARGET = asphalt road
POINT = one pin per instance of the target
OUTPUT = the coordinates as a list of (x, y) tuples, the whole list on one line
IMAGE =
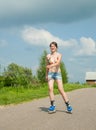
[(34, 115)]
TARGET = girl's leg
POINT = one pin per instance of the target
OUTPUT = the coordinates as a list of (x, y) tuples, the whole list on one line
[(51, 93), (61, 90)]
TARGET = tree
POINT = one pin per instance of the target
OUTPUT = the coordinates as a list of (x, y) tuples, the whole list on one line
[(1, 81), (64, 72), (1, 78), (41, 71), (17, 75)]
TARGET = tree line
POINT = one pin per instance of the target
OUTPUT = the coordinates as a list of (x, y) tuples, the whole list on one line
[(16, 75)]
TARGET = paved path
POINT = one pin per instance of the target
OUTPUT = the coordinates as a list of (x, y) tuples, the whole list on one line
[(34, 116)]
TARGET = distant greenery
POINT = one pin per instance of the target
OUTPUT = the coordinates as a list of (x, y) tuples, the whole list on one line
[(15, 75), (41, 71), (10, 95), (64, 72)]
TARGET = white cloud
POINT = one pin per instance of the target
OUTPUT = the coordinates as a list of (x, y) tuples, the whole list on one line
[(42, 37), (3, 43), (33, 36), (87, 46)]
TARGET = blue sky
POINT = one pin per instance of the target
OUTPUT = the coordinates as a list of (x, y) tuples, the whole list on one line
[(28, 26)]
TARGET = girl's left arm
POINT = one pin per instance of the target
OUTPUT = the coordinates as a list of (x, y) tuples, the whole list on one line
[(55, 64)]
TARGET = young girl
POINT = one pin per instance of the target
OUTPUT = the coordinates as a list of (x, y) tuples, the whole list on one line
[(53, 73)]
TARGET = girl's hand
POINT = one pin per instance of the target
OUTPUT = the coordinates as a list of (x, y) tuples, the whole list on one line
[(50, 66), (46, 78)]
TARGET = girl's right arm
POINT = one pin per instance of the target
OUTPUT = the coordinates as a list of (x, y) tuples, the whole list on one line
[(47, 68)]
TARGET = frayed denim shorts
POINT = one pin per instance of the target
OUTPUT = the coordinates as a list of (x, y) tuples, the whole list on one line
[(54, 75)]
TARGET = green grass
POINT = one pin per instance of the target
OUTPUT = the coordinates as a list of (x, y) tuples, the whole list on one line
[(10, 95)]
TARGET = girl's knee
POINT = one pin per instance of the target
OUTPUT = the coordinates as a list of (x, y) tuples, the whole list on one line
[(50, 89)]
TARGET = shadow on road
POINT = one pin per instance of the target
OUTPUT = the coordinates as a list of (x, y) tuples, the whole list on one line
[(45, 109)]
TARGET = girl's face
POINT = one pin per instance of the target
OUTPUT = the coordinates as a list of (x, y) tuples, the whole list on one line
[(53, 48)]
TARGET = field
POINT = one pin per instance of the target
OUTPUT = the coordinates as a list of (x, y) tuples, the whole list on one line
[(10, 95)]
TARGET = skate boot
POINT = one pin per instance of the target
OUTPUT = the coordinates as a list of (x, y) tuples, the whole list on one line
[(52, 109), (69, 109)]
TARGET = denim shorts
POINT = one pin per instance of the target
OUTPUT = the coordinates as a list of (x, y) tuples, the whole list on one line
[(54, 75)]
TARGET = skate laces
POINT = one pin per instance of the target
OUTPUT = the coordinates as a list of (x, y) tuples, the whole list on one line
[(51, 108), (69, 108)]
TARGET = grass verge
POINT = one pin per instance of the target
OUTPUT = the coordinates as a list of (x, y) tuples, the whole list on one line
[(10, 95)]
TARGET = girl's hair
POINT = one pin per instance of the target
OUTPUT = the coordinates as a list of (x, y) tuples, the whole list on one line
[(54, 43)]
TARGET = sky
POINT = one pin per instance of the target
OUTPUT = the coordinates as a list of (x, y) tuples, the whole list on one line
[(27, 27)]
